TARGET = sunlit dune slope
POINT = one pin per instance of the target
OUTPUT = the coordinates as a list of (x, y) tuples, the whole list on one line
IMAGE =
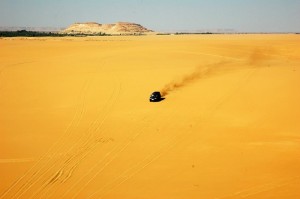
[(76, 121)]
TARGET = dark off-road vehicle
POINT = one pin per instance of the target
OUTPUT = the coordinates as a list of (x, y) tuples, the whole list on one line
[(155, 97)]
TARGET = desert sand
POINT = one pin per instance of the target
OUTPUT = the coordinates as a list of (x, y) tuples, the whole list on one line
[(76, 121)]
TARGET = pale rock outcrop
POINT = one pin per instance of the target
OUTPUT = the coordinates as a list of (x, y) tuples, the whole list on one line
[(96, 28)]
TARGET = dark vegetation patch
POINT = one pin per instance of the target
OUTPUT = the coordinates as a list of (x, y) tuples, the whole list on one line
[(25, 33)]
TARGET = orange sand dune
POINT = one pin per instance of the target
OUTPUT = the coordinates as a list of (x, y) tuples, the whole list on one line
[(76, 121)]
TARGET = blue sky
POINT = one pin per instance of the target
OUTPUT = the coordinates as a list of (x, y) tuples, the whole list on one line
[(159, 15)]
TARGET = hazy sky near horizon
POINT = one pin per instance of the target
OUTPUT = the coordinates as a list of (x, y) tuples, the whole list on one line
[(158, 15)]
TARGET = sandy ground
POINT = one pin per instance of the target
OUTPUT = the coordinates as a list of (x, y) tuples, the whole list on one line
[(76, 121)]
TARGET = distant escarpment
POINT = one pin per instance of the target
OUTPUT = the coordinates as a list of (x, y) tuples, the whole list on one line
[(119, 28)]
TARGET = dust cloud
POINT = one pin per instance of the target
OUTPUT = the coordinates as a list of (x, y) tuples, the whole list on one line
[(257, 58), (200, 72)]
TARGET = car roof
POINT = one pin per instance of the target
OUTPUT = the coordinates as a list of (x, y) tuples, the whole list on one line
[(156, 92)]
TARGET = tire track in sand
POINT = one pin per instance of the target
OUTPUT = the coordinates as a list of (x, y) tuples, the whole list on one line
[(65, 166), (96, 125), (84, 146), (31, 174), (139, 166), (37, 175), (109, 157), (93, 138)]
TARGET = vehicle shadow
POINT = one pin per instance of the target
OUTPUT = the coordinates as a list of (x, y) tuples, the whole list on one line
[(159, 100)]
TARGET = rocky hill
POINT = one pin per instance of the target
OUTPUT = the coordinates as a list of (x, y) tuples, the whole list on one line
[(113, 29)]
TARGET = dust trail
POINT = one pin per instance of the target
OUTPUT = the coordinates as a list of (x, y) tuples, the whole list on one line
[(256, 58), (200, 72), (259, 56)]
